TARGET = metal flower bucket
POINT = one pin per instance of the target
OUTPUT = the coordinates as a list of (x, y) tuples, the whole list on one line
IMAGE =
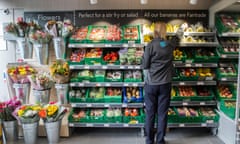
[(10, 129), (22, 92), (53, 131), (25, 48), (59, 47), (62, 91), (41, 51), (30, 132), (41, 96)]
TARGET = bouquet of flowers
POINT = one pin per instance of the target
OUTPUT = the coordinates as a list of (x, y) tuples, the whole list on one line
[(19, 73), (27, 113), (40, 37), (59, 28), (41, 81), (11, 28), (52, 112), (7, 108), (59, 70)]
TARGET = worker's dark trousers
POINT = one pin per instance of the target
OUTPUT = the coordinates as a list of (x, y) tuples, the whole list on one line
[(157, 100)]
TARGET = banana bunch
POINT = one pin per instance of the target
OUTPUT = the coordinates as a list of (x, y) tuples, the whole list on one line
[(173, 92), (172, 28), (205, 72), (148, 32)]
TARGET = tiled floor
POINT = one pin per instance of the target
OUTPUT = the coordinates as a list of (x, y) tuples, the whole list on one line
[(133, 136)]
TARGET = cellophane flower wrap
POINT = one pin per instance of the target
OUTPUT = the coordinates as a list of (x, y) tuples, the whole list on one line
[(59, 28), (52, 112), (28, 113), (59, 70), (40, 37), (41, 80), (7, 108), (19, 73)]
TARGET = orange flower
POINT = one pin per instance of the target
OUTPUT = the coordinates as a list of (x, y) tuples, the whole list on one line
[(42, 113)]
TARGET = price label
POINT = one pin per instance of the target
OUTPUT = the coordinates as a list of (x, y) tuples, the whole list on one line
[(80, 84), (182, 83), (90, 45), (224, 79), (71, 67), (124, 105), (200, 83), (135, 84), (59, 86), (108, 45), (125, 125), (188, 65), (106, 125), (181, 125), (106, 105), (125, 45), (104, 67), (89, 125), (73, 105), (108, 84), (122, 67), (203, 125), (137, 67), (71, 124), (130, 67), (184, 103), (198, 65), (126, 84), (209, 78), (210, 121), (202, 103), (86, 67), (89, 105), (224, 56)]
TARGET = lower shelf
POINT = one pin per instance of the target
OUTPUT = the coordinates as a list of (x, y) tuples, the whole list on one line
[(141, 125)]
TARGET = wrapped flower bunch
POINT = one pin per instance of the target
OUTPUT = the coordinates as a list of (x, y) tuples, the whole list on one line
[(19, 73), (41, 80), (28, 113), (11, 28), (52, 112), (59, 70), (40, 37), (59, 28), (7, 108)]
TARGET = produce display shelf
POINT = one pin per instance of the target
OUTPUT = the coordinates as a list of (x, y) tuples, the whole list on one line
[(107, 84), (209, 65), (115, 67), (206, 44), (228, 79), (199, 33), (141, 125), (193, 83), (75, 45), (193, 103), (107, 105)]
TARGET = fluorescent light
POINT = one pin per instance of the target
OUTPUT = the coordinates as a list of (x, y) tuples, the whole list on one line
[(93, 1), (193, 2), (143, 1)]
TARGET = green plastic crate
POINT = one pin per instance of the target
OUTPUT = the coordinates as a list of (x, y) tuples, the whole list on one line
[(231, 88), (134, 119), (189, 119), (81, 120), (229, 111), (92, 27), (95, 100), (125, 33), (207, 119), (113, 119), (205, 59), (93, 61)]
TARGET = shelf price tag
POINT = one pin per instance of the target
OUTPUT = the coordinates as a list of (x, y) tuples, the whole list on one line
[(181, 125), (224, 56), (124, 105), (106, 125), (86, 67), (90, 45), (210, 121), (71, 124), (198, 65), (130, 67), (125, 84), (182, 83), (122, 67), (125, 45), (104, 67), (73, 105), (125, 125), (203, 125), (137, 67), (71, 67), (89, 125), (200, 83), (80, 84), (135, 84), (107, 84), (89, 105), (184, 103), (108, 45), (106, 105), (223, 79), (188, 65), (202, 103), (98, 84)]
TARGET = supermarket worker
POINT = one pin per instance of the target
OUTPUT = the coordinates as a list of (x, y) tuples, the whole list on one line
[(158, 67)]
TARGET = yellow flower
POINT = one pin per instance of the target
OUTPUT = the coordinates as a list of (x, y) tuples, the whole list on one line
[(52, 109), (36, 108), (20, 112)]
